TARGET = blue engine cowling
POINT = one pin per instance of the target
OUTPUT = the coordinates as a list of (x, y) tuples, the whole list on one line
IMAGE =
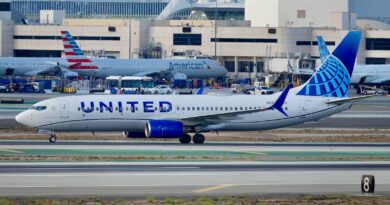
[(164, 129), (134, 134)]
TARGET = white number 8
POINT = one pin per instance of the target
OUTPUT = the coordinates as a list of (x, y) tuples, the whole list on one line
[(366, 185)]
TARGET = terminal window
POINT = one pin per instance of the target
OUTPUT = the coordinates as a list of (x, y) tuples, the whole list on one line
[(187, 39), (5, 6), (245, 40), (378, 44), (376, 60), (301, 14)]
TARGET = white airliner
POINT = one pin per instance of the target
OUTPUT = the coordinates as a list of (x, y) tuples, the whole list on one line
[(174, 116), (363, 74), (17, 66), (104, 67), (76, 63)]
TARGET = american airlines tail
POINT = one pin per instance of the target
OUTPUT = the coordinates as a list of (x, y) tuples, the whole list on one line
[(74, 55), (332, 79)]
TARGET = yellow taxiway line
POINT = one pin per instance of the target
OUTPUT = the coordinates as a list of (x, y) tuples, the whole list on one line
[(213, 188)]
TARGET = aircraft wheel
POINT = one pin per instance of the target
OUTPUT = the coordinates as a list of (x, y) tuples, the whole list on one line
[(198, 139), (185, 139), (52, 139)]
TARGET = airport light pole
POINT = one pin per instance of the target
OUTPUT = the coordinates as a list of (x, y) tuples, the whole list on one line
[(349, 15), (215, 29)]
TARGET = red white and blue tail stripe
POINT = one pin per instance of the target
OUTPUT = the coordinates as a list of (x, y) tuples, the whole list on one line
[(74, 55)]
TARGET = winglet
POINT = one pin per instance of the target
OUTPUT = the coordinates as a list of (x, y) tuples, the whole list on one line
[(200, 91), (278, 105)]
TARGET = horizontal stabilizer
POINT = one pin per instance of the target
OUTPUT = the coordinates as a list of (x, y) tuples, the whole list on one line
[(350, 100), (278, 105)]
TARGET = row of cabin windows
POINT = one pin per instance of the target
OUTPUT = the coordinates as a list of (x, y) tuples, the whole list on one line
[(215, 108), (188, 108)]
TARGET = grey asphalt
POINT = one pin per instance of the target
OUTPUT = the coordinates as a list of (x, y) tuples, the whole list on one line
[(193, 179), (158, 144)]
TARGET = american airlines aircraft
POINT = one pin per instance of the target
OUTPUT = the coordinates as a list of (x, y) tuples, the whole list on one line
[(16, 66), (178, 68), (363, 74), (175, 116), (76, 63)]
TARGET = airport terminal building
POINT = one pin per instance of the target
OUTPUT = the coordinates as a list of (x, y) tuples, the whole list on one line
[(254, 43)]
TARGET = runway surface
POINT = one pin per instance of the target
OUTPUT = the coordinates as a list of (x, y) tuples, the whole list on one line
[(183, 179), (221, 168), (99, 148), (158, 144), (190, 177)]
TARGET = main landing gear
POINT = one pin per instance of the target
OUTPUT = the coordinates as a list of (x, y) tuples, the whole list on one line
[(52, 138), (197, 139)]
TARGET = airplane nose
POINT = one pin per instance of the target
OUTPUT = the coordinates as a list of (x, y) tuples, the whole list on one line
[(22, 118)]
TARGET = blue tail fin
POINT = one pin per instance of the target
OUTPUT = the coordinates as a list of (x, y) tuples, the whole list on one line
[(347, 50), (200, 91), (333, 77), (324, 52)]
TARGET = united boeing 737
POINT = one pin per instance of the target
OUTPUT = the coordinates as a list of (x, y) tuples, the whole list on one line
[(176, 116)]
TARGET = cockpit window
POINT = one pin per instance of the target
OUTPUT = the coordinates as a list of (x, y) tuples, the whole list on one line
[(39, 108)]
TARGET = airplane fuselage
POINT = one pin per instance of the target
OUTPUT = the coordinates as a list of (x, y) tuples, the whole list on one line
[(192, 68), (131, 113), (24, 66), (370, 74)]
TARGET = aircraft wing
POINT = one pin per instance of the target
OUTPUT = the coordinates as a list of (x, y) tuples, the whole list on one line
[(62, 69), (50, 71), (350, 100), (234, 114), (152, 72), (142, 74), (164, 72)]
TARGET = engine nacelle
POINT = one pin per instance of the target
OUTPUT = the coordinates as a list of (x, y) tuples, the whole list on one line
[(164, 129), (179, 76), (134, 134)]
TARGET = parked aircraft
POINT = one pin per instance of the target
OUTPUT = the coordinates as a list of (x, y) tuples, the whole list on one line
[(104, 67), (76, 63), (16, 66), (363, 74), (175, 116)]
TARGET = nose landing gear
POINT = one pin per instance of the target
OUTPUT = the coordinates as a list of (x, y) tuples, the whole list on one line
[(52, 138)]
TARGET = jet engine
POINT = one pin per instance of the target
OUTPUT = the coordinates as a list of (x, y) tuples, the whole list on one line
[(164, 129), (179, 76)]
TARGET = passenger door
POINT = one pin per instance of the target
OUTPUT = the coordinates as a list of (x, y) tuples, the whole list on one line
[(64, 109), (304, 107)]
